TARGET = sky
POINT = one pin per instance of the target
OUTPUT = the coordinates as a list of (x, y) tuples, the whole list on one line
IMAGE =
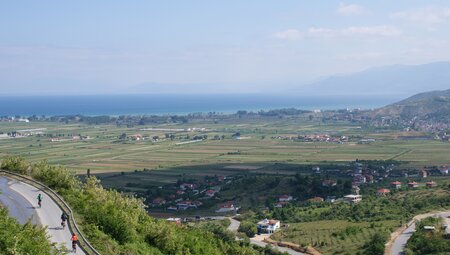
[(98, 47)]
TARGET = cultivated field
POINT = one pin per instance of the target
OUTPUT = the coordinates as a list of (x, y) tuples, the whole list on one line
[(334, 237), (105, 152)]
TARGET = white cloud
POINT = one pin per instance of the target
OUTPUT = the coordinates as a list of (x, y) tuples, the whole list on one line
[(290, 34), (327, 33), (372, 30), (350, 9), (427, 15), (354, 31)]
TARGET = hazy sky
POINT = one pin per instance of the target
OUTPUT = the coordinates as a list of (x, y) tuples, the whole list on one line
[(88, 47)]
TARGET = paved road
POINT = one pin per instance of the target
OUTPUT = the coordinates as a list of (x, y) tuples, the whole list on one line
[(14, 202), (21, 200), (256, 241), (234, 225), (400, 242)]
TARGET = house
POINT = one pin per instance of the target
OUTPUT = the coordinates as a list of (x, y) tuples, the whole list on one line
[(429, 228), (226, 207), (383, 192), (413, 185), (280, 204), (158, 201), (172, 208), (353, 199), (184, 205), (175, 220), (330, 199), (423, 174), (210, 193), (316, 169), (369, 178), (359, 179), (284, 198), (196, 204), (136, 137), (329, 183), (268, 226), (396, 185), (186, 186), (316, 199), (431, 184), (443, 170)]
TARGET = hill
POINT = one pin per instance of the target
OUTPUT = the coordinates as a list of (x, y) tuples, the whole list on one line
[(434, 105), (397, 80)]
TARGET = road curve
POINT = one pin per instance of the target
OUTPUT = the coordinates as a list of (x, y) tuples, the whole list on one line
[(399, 243), (21, 200), (257, 242)]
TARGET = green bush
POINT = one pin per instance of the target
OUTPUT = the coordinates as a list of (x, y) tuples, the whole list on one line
[(15, 164), (17, 239), (119, 224)]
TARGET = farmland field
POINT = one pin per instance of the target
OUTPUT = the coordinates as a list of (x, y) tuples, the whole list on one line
[(334, 237), (104, 152)]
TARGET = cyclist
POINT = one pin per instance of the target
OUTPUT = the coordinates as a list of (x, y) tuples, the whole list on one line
[(63, 220), (39, 198), (74, 242)]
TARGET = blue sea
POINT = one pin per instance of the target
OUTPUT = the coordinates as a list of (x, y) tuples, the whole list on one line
[(177, 104)]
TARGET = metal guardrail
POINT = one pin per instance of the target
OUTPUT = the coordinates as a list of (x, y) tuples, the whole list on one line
[(84, 245)]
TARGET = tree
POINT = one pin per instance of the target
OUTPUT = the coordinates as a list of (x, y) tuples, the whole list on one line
[(375, 246), (248, 228)]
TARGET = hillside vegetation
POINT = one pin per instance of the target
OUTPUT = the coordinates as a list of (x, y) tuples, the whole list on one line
[(433, 105), (117, 224), (16, 239)]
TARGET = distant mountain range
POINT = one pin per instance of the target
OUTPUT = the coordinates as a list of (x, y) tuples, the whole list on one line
[(434, 105), (389, 80)]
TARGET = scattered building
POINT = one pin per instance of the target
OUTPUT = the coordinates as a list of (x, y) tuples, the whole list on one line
[(431, 184), (330, 199), (210, 193), (316, 169), (329, 183), (383, 192), (316, 199), (158, 201), (423, 173), (268, 226), (413, 185), (226, 207), (175, 220), (353, 199), (280, 204), (359, 179), (186, 186), (396, 185), (443, 170), (285, 198)]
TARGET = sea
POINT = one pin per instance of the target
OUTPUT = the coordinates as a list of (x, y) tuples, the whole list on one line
[(157, 104)]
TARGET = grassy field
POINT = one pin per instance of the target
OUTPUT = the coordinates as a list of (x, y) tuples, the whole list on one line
[(103, 152), (334, 237)]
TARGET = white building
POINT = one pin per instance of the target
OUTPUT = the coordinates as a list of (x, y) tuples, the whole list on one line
[(285, 198), (268, 226), (353, 199), (227, 207)]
